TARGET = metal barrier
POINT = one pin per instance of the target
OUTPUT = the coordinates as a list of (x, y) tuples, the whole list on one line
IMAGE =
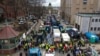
[(94, 52), (31, 28)]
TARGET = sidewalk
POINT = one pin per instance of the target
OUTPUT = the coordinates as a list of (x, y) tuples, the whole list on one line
[(18, 52), (15, 54)]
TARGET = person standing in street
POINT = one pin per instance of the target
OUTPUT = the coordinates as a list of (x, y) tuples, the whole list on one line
[(68, 54), (60, 47), (20, 54), (26, 54)]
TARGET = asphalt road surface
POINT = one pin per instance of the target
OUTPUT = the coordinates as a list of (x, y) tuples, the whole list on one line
[(57, 53)]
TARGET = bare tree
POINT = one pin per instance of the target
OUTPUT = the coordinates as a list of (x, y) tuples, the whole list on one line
[(36, 7)]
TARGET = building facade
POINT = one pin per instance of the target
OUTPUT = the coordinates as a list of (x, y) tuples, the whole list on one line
[(98, 10), (62, 8), (72, 7), (88, 22)]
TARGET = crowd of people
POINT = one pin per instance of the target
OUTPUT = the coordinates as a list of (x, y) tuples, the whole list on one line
[(74, 46)]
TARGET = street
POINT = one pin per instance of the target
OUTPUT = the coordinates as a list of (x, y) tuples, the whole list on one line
[(49, 40), (49, 28)]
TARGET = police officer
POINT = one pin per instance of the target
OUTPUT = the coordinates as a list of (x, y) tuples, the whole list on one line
[(83, 54), (25, 46), (82, 42), (60, 47), (47, 47)]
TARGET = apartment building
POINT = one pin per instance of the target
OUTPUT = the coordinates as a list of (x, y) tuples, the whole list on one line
[(72, 7), (98, 10), (62, 9), (88, 22)]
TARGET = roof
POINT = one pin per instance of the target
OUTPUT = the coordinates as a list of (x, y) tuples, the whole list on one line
[(34, 50), (57, 39), (89, 14), (8, 32), (72, 32), (65, 37), (75, 29), (91, 35), (56, 32)]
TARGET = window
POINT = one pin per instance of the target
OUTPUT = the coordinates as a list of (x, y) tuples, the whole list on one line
[(92, 20), (34, 54), (91, 8), (84, 8), (98, 28), (99, 20), (84, 2), (96, 20), (91, 28), (94, 28), (77, 9)]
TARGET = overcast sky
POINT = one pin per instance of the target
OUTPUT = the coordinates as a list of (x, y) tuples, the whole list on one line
[(53, 2)]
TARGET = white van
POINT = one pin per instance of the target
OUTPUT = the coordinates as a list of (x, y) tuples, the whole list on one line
[(65, 37), (56, 35)]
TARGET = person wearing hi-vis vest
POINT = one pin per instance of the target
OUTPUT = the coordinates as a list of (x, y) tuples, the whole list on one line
[(47, 47), (52, 47), (60, 47)]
